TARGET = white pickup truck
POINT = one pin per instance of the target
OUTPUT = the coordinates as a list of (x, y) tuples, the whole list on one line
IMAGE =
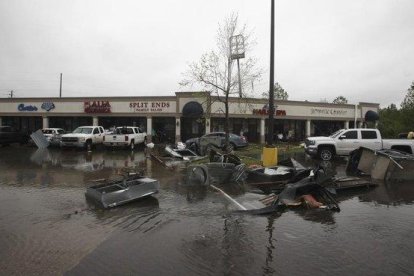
[(343, 141), (126, 136), (83, 137)]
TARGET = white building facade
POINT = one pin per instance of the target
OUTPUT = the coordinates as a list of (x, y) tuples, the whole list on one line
[(183, 116)]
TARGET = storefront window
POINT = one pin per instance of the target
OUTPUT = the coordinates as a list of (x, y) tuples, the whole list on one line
[(163, 129), (23, 123)]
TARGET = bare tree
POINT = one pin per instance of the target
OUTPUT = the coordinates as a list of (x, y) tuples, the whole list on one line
[(214, 71)]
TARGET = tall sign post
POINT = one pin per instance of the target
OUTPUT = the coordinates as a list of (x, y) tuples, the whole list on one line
[(269, 151), (237, 52), (272, 77)]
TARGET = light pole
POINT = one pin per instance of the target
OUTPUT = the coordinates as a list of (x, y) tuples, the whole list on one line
[(270, 151), (272, 76)]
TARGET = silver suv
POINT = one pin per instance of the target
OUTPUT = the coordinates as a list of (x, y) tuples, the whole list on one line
[(215, 139)]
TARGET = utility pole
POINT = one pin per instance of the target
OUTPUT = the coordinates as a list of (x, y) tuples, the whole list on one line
[(11, 93), (271, 81), (269, 157), (60, 90)]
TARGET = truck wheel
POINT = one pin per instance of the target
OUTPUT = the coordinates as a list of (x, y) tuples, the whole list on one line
[(88, 145), (326, 154), (132, 145)]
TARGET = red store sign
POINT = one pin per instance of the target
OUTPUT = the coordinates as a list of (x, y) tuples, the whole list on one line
[(265, 111), (97, 107)]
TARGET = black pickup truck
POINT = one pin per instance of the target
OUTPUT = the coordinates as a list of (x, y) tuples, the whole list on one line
[(9, 135)]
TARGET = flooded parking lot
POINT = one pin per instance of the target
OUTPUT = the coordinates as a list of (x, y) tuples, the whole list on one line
[(47, 227)]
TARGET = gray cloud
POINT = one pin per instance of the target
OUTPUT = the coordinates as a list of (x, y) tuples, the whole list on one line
[(324, 48)]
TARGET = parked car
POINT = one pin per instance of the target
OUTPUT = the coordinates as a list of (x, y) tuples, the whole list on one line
[(53, 135), (9, 135), (83, 137), (344, 141), (127, 136), (215, 139)]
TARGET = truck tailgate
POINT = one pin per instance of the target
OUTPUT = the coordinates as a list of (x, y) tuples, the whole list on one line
[(116, 138)]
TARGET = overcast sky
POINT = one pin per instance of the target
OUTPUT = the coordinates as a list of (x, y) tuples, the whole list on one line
[(363, 50)]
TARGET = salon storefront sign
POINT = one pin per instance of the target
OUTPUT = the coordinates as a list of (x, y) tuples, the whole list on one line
[(265, 112), (328, 112), (97, 107), (149, 106)]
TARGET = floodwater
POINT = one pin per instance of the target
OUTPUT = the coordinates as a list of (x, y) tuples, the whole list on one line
[(48, 228)]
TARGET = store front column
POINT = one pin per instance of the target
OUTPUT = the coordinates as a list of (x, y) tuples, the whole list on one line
[(262, 131), (308, 128), (95, 121), (1, 121), (346, 124), (177, 129), (149, 129), (45, 123), (208, 123)]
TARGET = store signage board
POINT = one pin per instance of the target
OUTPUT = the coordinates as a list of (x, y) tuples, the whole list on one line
[(328, 112), (265, 112), (97, 107), (27, 108), (48, 106), (148, 107)]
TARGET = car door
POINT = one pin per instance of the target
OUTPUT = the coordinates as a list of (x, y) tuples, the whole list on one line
[(347, 142), (101, 134), (370, 139), (139, 137), (95, 135)]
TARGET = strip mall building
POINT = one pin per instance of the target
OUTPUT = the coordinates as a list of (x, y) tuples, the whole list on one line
[(183, 116)]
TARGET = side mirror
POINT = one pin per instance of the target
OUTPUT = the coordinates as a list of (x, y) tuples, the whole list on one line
[(342, 137)]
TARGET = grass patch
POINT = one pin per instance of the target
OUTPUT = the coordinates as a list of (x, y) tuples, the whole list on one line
[(251, 155)]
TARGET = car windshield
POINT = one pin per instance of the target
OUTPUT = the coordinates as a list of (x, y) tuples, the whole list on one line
[(84, 130), (336, 133)]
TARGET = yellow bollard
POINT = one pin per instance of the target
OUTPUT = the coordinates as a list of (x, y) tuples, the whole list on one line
[(269, 156)]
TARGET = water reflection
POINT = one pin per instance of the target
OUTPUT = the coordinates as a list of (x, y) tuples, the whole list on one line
[(87, 161), (270, 247), (393, 194), (317, 215)]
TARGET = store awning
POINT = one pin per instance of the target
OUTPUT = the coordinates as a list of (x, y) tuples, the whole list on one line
[(193, 110), (371, 116)]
